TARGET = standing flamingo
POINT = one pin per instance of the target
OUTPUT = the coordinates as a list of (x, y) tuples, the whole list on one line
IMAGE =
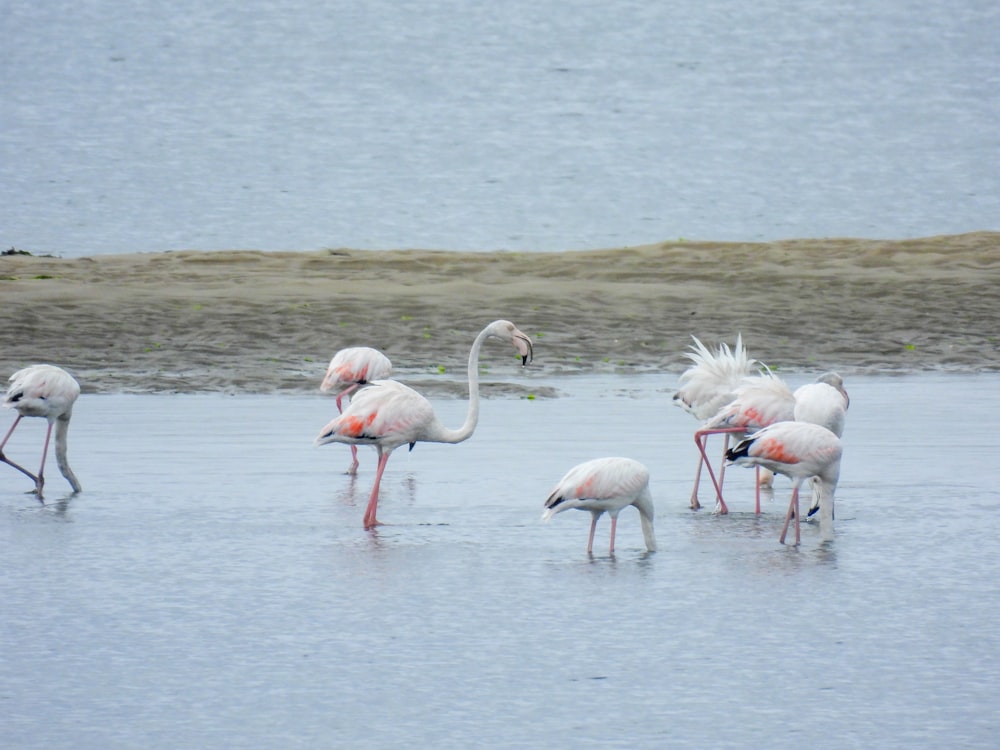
[(823, 402), (43, 391), (760, 401), (605, 485), (766, 399), (709, 384), (800, 451), (350, 369), (388, 414)]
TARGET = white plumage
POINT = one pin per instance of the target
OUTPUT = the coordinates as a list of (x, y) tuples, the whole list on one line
[(707, 385), (350, 369), (605, 485), (800, 451), (387, 414), (43, 391)]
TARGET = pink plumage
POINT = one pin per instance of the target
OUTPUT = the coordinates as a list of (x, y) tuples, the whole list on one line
[(350, 369), (709, 384), (800, 451), (605, 485), (387, 414)]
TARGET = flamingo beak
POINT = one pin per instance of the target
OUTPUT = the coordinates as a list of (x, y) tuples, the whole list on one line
[(523, 345)]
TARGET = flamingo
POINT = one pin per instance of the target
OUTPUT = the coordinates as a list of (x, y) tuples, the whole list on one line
[(605, 485), (350, 369), (760, 401), (766, 399), (43, 391), (709, 384), (823, 402), (388, 414), (800, 451)]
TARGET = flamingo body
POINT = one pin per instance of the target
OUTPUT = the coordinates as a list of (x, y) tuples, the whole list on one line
[(350, 369), (760, 401), (709, 384), (355, 366), (823, 402), (388, 414), (605, 485), (713, 378), (800, 451), (43, 391)]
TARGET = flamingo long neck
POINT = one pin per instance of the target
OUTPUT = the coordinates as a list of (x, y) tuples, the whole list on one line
[(472, 417), (644, 504), (826, 486), (62, 428)]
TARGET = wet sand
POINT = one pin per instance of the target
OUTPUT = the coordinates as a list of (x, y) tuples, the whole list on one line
[(249, 321)]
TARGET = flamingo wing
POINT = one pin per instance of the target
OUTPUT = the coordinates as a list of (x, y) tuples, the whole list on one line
[(41, 391), (600, 484), (358, 364), (386, 412)]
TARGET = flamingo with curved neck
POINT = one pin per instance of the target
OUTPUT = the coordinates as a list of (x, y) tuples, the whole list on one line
[(388, 414), (43, 391)]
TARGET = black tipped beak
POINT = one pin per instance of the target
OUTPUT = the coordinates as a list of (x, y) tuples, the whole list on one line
[(526, 358)]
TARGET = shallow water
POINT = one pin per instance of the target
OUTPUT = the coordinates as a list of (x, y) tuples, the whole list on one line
[(467, 126), (212, 585)]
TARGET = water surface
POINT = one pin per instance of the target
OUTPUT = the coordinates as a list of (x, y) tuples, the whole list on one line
[(467, 126), (212, 585)]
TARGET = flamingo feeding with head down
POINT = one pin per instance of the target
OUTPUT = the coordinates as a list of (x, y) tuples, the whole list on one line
[(605, 485), (760, 401), (350, 369), (800, 451), (43, 391), (823, 402), (388, 414), (766, 399), (709, 384)]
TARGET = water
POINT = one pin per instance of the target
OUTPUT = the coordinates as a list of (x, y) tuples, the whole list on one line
[(468, 126), (212, 586)]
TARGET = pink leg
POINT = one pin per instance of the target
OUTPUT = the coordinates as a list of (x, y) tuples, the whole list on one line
[(353, 468), (343, 393), (614, 527), (795, 499), (757, 488), (20, 468), (793, 508), (593, 527), (722, 463), (10, 432), (370, 520), (700, 438), (41, 469), (695, 505)]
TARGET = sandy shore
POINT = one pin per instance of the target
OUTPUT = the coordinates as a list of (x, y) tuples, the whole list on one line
[(246, 321)]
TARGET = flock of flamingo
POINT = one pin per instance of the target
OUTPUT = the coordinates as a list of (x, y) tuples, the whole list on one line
[(780, 431)]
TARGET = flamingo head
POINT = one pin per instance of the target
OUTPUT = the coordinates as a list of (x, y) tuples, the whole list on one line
[(507, 331)]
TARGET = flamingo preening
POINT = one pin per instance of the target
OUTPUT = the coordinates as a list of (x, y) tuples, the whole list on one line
[(350, 369), (43, 391), (709, 384), (388, 414)]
